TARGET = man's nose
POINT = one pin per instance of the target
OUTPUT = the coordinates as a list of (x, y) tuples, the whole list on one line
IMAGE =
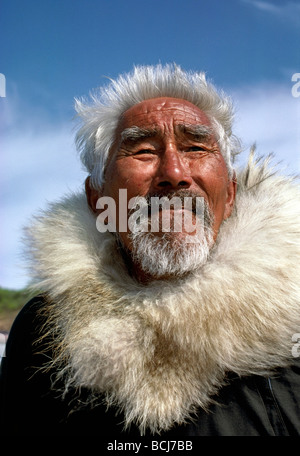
[(172, 172)]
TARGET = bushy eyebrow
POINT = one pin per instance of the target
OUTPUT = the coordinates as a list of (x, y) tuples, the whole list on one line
[(198, 132), (134, 134), (138, 133)]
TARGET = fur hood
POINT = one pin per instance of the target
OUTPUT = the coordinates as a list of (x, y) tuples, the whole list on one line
[(160, 351)]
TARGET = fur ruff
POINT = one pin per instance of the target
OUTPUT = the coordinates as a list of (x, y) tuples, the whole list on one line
[(158, 352)]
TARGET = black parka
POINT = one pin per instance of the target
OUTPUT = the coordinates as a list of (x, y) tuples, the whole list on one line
[(30, 406)]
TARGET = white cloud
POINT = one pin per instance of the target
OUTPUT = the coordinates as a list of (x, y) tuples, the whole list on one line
[(40, 164), (264, 6), (37, 166), (290, 10), (269, 116)]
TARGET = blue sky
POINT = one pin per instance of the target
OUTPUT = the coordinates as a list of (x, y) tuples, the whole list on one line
[(55, 50)]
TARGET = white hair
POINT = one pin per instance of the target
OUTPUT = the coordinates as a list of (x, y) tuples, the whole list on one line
[(100, 117)]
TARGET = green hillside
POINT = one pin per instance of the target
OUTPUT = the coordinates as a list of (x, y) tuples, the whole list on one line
[(11, 301)]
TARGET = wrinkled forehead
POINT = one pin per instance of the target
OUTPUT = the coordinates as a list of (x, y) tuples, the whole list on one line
[(163, 111)]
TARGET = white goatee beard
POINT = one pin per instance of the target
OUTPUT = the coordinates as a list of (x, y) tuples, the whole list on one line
[(173, 254)]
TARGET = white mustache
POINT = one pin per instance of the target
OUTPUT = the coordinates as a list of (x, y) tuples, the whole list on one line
[(181, 200)]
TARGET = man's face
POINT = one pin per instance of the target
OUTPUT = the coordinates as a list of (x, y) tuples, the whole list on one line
[(166, 144)]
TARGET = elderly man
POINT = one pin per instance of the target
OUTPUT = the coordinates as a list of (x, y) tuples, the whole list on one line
[(161, 331)]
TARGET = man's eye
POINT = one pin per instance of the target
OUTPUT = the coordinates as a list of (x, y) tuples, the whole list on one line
[(196, 149), (144, 151)]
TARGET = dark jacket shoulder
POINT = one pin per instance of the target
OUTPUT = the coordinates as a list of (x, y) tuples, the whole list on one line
[(21, 383)]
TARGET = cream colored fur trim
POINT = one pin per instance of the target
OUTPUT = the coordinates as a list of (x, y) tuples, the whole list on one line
[(158, 352)]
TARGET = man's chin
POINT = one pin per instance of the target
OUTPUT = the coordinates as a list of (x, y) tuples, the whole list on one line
[(166, 255)]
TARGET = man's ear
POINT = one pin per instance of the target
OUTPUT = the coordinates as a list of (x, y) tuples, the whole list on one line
[(231, 194), (92, 195)]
